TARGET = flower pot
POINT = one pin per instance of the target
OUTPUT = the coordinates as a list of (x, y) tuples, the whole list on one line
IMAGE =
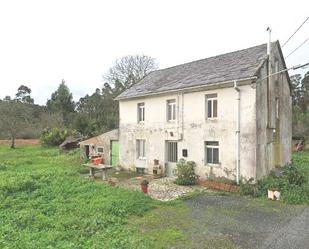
[(96, 160), (144, 188)]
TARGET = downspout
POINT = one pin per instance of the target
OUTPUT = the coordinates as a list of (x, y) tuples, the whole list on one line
[(182, 116), (237, 132)]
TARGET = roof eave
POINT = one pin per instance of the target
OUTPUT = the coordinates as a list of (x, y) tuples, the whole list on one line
[(193, 88)]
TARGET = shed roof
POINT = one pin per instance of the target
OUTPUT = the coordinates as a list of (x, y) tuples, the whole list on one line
[(240, 64), (112, 134)]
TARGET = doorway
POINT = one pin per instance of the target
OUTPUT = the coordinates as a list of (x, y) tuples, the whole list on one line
[(87, 151), (171, 150), (114, 152)]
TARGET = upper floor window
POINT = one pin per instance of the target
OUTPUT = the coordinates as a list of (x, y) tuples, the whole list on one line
[(276, 69), (277, 108), (141, 148), (171, 110), (211, 106), (212, 152), (141, 112)]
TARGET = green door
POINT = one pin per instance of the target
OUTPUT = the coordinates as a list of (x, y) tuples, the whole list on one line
[(115, 153)]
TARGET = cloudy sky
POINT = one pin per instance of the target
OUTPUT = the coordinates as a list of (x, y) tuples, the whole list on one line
[(45, 41)]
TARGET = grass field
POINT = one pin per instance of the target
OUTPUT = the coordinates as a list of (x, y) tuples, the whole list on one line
[(46, 203)]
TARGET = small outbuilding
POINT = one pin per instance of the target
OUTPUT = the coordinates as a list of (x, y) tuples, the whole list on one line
[(105, 145)]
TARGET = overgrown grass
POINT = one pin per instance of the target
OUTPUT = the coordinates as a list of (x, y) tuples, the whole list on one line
[(45, 203), (293, 182)]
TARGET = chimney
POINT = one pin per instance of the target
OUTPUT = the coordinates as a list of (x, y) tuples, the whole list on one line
[(269, 41)]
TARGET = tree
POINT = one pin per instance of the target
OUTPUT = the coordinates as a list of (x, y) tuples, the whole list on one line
[(62, 100), (300, 102), (14, 117), (296, 89), (99, 112), (305, 91), (7, 98), (130, 69), (23, 95)]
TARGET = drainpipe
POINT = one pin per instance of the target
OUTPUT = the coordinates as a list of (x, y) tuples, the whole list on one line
[(237, 132)]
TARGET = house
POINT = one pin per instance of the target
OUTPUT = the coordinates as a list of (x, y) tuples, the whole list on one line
[(105, 144), (227, 113)]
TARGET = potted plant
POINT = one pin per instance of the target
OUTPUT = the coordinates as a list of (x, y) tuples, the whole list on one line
[(144, 186), (156, 167)]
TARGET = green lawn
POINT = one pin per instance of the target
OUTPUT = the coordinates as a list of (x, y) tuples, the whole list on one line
[(46, 203)]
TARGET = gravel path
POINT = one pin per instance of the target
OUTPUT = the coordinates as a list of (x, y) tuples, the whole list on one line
[(163, 189), (294, 235), (252, 223)]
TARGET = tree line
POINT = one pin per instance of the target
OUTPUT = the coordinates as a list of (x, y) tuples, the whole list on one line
[(300, 105), (91, 115), (97, 113)]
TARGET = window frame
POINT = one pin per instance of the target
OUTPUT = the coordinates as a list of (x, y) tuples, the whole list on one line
[(277, 108), (213, 112), (100, 147), (172, 146), (214, 146), (277, 68), (141, 150), (141, 112), (171, 114)]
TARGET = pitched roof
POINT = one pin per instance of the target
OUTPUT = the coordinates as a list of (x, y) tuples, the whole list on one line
[(231, 66)]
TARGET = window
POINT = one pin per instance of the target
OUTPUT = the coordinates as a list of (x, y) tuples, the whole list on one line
[(100, 150), (141, 112), (277, 108), (185, 153), (171, 110), (212, 152), (172, 155), (211, 106), (277, 69), (140, 149)]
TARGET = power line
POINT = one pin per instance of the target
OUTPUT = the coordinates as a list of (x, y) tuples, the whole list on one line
[(297, 47), (284, 70), (296, 31)]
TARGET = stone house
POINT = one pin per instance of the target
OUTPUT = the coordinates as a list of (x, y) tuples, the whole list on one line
[(105, 145), (230, 114)]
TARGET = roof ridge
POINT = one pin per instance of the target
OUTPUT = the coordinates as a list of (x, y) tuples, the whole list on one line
[(238, 64), (214, 56)]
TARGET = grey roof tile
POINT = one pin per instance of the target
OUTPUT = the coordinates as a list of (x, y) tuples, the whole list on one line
[(235, 65)]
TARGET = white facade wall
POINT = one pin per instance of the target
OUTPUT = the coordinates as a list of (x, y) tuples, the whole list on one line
[(191, 129)]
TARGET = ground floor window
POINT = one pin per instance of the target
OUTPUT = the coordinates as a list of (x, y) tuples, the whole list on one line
[(172, 155), (141, 148), (212, 152), (100, 150)]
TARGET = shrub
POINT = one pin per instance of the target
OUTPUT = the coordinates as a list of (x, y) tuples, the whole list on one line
[(291, 182), (144, 182), (293, 175), (248, 188), (55, 136), (185, 172)]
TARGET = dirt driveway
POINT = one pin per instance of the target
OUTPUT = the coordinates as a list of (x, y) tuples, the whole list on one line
[(251, 223)]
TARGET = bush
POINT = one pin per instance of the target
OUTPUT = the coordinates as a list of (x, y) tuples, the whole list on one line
[(55, 136), (185, 172), (292, 183), (293, 175), (248, 188)]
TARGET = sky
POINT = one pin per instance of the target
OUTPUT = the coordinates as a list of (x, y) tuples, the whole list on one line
[(45, 41)]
